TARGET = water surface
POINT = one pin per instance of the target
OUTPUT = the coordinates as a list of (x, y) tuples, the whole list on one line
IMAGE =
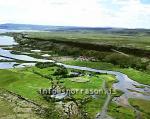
[(6, 40)]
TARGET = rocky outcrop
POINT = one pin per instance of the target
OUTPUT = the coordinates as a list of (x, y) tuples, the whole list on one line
[(70, 109)]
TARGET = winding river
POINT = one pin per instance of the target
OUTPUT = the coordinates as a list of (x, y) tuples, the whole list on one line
[(125, 84)]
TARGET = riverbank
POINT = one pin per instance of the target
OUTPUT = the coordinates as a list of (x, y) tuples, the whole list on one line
[(26, 85), (139, 76)]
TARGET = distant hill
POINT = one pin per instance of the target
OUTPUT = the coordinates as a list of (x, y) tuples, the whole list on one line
[(11, 26)]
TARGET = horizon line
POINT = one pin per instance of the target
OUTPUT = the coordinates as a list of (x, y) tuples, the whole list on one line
[(78, 26)]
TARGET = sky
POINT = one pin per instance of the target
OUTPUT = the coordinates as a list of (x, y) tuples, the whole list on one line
[(91, 13)]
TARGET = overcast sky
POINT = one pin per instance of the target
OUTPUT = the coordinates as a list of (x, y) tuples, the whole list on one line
[(93, 13)]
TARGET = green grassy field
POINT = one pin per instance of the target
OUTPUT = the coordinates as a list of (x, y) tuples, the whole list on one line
[(24, 83), (93, 83)]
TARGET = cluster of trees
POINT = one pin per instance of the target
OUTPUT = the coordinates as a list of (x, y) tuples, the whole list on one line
[(110, 57), (61, 71), (42, 65), (66, 51), (114, 58), (127, 61)]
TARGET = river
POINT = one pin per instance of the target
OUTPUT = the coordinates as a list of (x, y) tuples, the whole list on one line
[(124, 84)]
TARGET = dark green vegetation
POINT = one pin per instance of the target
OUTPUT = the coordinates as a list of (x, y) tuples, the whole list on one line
[(44, 65)]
